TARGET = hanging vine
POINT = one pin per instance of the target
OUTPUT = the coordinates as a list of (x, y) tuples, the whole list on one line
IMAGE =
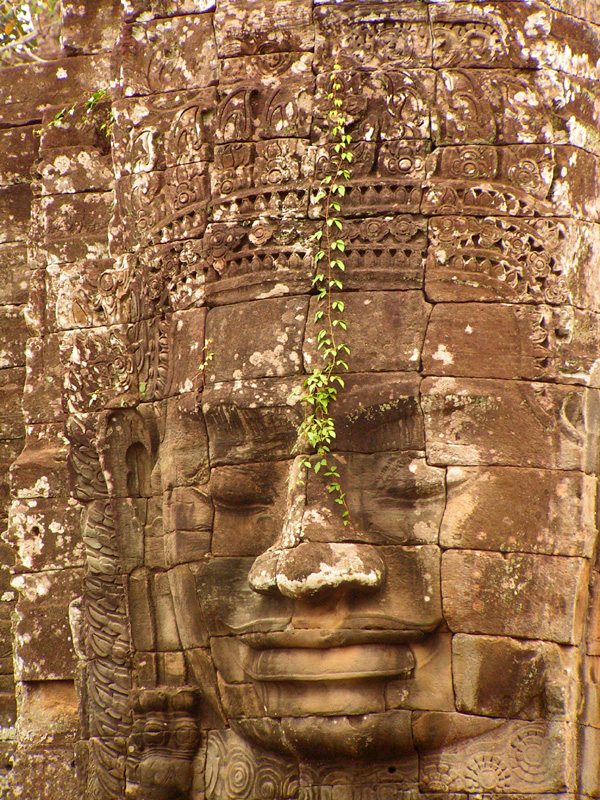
[(322, 384)]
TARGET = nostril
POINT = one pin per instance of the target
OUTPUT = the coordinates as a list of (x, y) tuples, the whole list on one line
[(312, 568)]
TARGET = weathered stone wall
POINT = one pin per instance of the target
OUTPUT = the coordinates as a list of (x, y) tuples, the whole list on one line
[(173, 217)]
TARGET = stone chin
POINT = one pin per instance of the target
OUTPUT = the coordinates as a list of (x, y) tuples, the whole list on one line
[(367, 737)]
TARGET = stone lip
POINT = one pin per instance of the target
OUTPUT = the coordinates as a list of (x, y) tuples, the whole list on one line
[(351, 662), (321, 638)]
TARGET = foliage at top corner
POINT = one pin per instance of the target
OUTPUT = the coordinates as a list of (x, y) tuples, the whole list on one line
[(29, 32)]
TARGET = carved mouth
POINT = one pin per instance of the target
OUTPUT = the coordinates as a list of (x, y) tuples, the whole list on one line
[(320, 638), (351, 662)]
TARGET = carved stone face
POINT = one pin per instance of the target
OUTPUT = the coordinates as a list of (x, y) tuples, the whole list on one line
[(453, 600), (449, 625)]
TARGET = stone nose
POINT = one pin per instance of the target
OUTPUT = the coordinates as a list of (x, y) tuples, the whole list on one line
[(312, 569)]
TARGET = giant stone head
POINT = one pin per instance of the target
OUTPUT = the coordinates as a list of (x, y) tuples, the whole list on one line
[(444, 639)]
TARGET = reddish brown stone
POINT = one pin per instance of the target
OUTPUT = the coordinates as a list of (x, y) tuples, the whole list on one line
[(523, 595), (493, 34), (485, 422), (250, 420), (377, 36), (391, 497), (265, 258), (510, 260), (42, 397), (11, 390), (45, 534), (511, 342), (29, 89), (510, 678), (74, 227), (252, 106), (90, 27), (14, 273), (260, 27), (155, 207), (249, 505), (18, 152), (269, 348), (171, 54), (42, 636), (519, 510), (75, 169), (13, 335), (163, 131), (397, 321), (388, 105)]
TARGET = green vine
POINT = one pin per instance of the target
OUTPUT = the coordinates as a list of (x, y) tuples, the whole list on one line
[(322, 384)]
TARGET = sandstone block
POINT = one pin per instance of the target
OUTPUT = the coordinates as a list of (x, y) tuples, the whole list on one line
[(378, 413), (42, 394), (512, 260), (160, 206), (11, 391), (249, 421), (391, 497), (165, 8), (9, 451), (42, 636), (488, 422), (28, 89), (13, 335), (170, 54), (517, 594), (190, 622), (258, 27), (74, 227), (67, 170), (18, 152), (511, 678), (188, 508), (184, 446), (187, 342), (281, 110), (431, 685), (520, 510), (15, 208), (555, 42), (41, 470), (90, 27), (45, 534), (15, 273), (250, 506), (397, 323), (486, 763), (230, 606), (384, 37), (512, 107), (267, 258), (514, 180), (256, 350), (247, 179), (511, 341), (154, 134), (368, 93), (410, 594), (48, 770)]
